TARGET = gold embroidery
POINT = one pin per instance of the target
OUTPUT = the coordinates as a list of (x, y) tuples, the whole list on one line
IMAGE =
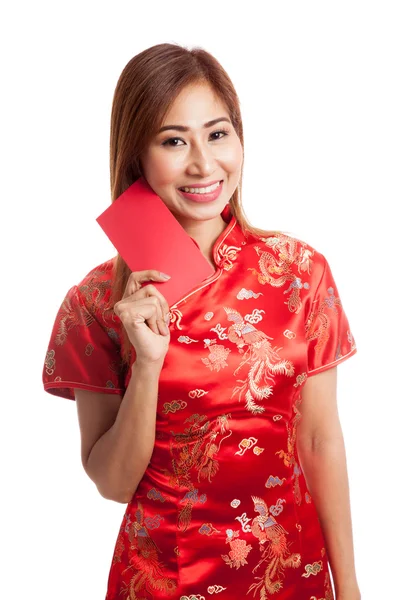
[(300, 379), (215, 589), (184, 339), (328, 587), (290, 335), (246, 444), (208, 529), (313, 569), (244, 520), (289, 457), (273, 481), (174, 406), (274, 550), (119, 550), (144, 559), (239, 549), (197, 393), (227, 255), (50, 362), (176, 317), (318, 323), (264, 362), (217, 357), (219, 330), (255, 316), (351, 340), (277, 270), (89, 350), (196, 449), (247, 294), (95, 292), (154, 494), (69, 318), (277, 508)]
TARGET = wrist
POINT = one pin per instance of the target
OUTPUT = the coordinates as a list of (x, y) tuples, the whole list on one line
[(148, 366)]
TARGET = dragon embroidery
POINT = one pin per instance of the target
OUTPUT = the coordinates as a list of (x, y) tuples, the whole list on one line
[(144, 559), (196, 450), (277, 270)]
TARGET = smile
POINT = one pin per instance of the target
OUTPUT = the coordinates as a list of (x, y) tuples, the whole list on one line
[(201, 190)]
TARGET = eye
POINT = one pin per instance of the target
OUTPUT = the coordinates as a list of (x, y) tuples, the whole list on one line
[(171, 142), (215, 135), (221, 133)]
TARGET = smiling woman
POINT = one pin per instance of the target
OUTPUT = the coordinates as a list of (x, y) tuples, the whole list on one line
[(214, 419), (198, 172)]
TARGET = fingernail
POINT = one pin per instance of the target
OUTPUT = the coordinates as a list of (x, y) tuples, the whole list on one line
[(167, 320), (165, 276)]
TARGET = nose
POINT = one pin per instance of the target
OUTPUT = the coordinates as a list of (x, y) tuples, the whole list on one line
[(201, 161)]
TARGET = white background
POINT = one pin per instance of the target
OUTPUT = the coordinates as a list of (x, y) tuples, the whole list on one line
[(319, 89)]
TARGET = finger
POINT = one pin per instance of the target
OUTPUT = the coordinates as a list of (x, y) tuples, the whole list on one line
[(137, 278), (152, 324), (151, 290), (162, 326), (135, 304), (150, 321), (147, 309), (155, 317)]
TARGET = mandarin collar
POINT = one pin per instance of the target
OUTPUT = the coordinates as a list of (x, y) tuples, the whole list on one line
[(229, 242)]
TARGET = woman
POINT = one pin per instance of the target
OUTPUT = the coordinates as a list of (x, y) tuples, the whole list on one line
[(215, 419)]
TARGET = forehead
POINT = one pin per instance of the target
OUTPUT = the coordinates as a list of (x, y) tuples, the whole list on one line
[(196, 104)]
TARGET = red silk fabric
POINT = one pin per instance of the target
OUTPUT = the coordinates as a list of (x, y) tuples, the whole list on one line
[(223, 508)]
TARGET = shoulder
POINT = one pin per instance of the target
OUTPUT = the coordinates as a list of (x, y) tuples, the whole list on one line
[(91, 296), (285, 254), (95, 288)]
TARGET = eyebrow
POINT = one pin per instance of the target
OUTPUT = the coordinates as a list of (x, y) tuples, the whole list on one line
[(182, 128)]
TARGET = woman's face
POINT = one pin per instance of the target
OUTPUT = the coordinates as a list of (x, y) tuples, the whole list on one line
[(197, 147)]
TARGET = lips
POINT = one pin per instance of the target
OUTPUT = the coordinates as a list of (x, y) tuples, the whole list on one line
[(197, 186), (203, 195)]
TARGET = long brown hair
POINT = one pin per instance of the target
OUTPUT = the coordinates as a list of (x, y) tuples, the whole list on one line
[(145, 91)]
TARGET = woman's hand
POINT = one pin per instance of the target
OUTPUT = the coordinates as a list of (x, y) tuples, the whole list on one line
[(144, 314)]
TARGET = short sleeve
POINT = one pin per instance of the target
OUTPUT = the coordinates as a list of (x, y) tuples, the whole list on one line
[(82, 352), (328, 335)]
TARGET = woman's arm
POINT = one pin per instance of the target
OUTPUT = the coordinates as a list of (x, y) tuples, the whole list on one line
[(321, 451), (117, 435)]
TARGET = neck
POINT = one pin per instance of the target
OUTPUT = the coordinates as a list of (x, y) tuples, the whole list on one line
[(205, 234)]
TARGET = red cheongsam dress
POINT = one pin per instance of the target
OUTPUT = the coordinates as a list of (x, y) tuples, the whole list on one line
[(223, 510)]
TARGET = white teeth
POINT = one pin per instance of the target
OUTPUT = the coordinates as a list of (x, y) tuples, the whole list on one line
[(205, 190)]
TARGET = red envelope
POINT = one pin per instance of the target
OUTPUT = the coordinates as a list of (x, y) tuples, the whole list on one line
[(148, 236)]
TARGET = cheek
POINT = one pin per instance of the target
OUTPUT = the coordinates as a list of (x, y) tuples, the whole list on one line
[(163, 167), (231, 157)]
